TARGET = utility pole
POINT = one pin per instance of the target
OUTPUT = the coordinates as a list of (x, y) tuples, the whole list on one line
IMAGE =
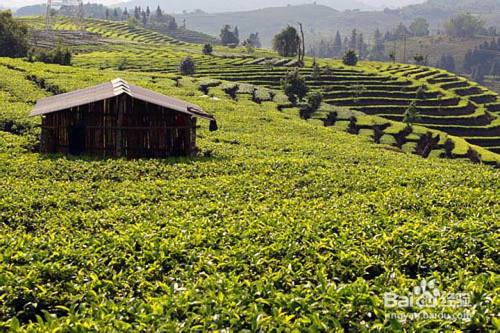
[(394, 52), (404, 51)]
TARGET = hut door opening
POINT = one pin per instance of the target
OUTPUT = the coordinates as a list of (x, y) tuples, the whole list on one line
[(76, 137)]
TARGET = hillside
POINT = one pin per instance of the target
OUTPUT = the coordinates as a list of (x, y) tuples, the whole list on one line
[(322, 23), (282, 223), (450, 104), (214, 6), (435, 46)]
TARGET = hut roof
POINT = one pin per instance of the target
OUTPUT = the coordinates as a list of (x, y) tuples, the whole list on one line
[(112, 89)]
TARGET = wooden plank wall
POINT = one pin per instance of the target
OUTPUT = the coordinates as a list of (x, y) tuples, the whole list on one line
[(146, 130)]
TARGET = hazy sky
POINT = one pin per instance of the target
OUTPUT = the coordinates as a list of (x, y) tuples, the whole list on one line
[(374, 3)]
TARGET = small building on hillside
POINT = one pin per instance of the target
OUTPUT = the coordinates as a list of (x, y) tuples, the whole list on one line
[(117, 119)]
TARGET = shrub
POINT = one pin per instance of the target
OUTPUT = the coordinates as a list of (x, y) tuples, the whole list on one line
[(350, 58), (59, 55), (187, 66), (316, 71), (207, 49), (314, 100), (294, 86), (411, 115)]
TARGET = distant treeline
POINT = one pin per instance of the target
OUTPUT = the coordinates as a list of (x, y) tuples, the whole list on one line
[(483, 60)]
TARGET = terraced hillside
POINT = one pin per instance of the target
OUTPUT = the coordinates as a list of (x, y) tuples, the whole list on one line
[(446, 102)]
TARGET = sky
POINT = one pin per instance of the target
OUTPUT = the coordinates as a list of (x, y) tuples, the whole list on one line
[(374, 3)]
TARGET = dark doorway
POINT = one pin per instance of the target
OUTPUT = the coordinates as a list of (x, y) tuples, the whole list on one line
[(76, 137)]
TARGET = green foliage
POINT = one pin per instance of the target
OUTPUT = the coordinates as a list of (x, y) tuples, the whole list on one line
[(464, 25), (294, 86), (316, 71), (248, 44), (255, 40), (60, 55), (324, 226), (187, 66), (13, 36), (314, 100), (132, 22), (207, 49), (287, 42), (420, 59), (228, 36), (419, 27), (411, 115), (350, 58)]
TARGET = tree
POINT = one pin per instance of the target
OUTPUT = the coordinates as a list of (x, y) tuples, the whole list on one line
[(254, 37), (314, 100), (353, 43), (401, 30), (107, 13), (463, 25), (172, 25), (392, 56), (159, 12), (419, 27), (13, 36), (294, 86), (287, 42), (115, 15), (420, 59), (350, 58), (411, 115), (228, 36), (59, 55), (237, 31), (132, 23), (316, 71), (187, 66), (361, 46), (207, 49), (447, 62), (248, 44), (337, 45)]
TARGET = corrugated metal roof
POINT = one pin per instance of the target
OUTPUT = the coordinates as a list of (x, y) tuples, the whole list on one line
[(111, 89)]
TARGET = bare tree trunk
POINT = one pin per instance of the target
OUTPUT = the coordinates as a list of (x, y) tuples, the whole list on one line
[(301, 59)]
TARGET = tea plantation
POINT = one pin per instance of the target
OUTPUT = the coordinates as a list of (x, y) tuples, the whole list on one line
[(281, 224)]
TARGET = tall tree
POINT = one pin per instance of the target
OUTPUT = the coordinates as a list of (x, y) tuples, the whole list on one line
[(353, 43), (287, 42), (228, 36), (255, 39), (337, 45), (419, 27), (463, 25), (13, 36)]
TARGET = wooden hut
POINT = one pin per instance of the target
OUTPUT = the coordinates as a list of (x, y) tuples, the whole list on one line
[(117, 119)]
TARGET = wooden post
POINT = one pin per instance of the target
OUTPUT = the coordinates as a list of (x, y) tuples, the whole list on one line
[(119, 124)]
